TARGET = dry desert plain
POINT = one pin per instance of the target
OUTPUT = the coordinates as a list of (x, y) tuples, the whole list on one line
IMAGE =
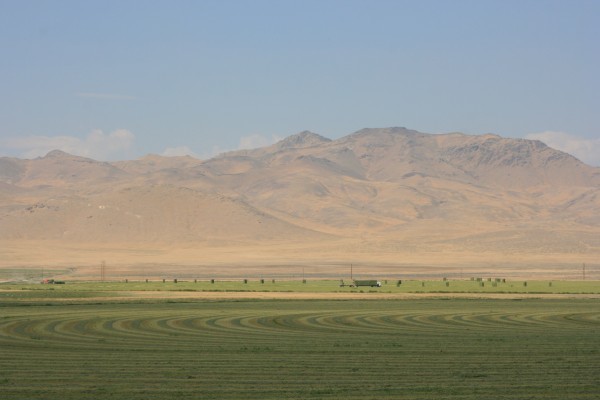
[(28, 261)]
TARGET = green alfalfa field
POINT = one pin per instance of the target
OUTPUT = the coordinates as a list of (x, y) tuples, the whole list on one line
[(88, 341)]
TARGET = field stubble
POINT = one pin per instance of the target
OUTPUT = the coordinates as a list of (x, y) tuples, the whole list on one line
[(367, 349)]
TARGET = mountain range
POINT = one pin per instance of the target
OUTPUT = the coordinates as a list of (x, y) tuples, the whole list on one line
[(391, 195)]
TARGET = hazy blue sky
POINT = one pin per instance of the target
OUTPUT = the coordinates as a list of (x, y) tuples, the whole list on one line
[(120, 79)]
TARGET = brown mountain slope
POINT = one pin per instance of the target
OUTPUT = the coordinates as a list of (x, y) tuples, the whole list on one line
[(387, 194), (152, 163), (376, 180), (58, 169), (150, 213), (487, 160)]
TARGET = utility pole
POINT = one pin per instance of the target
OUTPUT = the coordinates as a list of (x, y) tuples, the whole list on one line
[(102, 270), (584, 271), (351, 272)]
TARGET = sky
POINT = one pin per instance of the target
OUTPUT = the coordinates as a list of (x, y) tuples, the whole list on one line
[(120, 79)]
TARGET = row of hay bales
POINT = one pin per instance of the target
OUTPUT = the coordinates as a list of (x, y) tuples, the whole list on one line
[(211, 281)]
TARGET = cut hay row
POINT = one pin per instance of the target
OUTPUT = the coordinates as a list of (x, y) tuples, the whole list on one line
[(84, 330), (303, 349)]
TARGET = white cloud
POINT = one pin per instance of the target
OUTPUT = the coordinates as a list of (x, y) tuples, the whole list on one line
[(213, 152), (97, 145), (178, 151), (587, 150), (246, 142), (256, 140)]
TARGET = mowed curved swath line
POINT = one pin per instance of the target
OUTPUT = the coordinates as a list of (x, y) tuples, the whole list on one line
[(153, 327)]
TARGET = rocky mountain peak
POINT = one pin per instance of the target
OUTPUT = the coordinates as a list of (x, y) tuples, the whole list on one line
[(395, 130), (302, 139), (60, 156), (57, 154)]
